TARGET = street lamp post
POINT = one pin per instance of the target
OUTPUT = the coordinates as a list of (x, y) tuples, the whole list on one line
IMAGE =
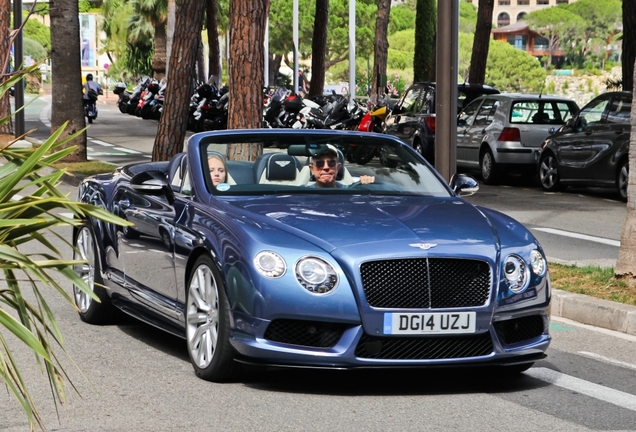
[(18, 60)]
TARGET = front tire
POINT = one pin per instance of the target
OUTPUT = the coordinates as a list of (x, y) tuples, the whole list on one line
[(208, 324), (90, 310), (549, 173), (621, 180), (488, 167)]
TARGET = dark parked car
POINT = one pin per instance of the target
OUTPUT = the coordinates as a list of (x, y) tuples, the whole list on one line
[(501, 134), (592, 149), (412, 118), (389, 267)]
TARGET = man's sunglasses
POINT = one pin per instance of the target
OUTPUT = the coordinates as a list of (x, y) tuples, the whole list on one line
[(320, 163)]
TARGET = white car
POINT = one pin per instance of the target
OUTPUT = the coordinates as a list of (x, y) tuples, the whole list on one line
[(502, 133)]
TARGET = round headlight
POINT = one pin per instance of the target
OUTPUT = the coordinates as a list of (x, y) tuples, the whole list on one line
[(270, 264), (316, 275), (537, 263), (516, 273)]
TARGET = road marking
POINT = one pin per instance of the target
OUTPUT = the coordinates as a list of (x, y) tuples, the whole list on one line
[(579, 236), (102, 143), (606, 394), (608, 359), (125, 150), (44, 115)]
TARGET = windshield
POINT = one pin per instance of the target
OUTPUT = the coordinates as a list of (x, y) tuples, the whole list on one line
[(296, 163)]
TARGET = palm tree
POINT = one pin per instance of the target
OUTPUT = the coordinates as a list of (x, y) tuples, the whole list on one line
[(67, 105), (150, 17)]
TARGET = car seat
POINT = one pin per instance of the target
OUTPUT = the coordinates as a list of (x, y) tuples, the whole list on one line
[(278, 168)]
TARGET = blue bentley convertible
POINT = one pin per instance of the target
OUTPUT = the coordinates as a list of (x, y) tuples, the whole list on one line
[(273, 247)]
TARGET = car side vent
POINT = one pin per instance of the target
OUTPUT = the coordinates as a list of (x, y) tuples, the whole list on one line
[(305, 333), (519, 329)]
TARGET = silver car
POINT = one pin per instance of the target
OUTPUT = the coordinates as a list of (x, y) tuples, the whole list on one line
[(502, 133)]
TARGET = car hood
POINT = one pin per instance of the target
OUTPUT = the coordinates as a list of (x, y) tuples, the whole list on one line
[(356, 222)]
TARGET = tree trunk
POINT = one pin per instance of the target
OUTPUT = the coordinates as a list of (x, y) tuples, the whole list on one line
[(629, 47), (425, 23), (481, 43), (214, 53), (66, 73), (319, 48), (5, 101), (174, 119), (381, 48), (247, 36), (626, 262), (159, 58), (170, 31), (201, 75), (274, 65)]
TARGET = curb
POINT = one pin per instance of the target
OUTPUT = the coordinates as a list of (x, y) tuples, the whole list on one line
[(596, 312)]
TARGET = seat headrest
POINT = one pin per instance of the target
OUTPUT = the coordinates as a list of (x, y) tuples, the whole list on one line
[(281, 166)]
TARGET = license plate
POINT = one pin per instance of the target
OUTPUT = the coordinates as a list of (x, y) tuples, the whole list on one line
[(429, 323)]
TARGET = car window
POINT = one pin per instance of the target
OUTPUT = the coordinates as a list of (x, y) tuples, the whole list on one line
[(486, 112), (540, 112), (285, 167), (620, 110), (468, 112), (412, 100), (593, 112)]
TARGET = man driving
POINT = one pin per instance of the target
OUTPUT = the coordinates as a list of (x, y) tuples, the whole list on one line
[(325, 167)]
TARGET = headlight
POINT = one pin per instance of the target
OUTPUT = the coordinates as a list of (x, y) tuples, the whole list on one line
[(516, 273), (270, 264), (315, 275), (537, 263)]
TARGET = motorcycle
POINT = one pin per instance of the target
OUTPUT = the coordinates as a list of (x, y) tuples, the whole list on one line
[(90, 106)]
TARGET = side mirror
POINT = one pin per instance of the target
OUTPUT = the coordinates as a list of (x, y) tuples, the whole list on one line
[(153, 183), (464, 185)]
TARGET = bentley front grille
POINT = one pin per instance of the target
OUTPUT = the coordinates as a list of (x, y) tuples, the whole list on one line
[(426, 283), (424, 348), (304, 333), (519, 329)]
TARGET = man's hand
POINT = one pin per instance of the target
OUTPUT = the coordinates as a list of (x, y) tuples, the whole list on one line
[(367, 179)]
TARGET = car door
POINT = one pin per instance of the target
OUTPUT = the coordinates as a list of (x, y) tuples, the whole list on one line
[(573, 146), (147, 254), (475, 133), (611, 142), (465, 120), (403, 120)]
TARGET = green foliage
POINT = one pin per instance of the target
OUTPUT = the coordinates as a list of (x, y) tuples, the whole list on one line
[(35, 30), (281, 31), (403, 41), (565, 86), (34, 50), (551, 88), (513, 70), (399, 59), (467, 17), (402, 18), (465, 52), (84, 6)]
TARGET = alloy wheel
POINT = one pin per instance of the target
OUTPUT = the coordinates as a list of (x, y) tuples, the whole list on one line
[(85, 251), (623, 177), (202, 316), (549, 173)]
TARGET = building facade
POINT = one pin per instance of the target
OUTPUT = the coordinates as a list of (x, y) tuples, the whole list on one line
[(508, 12)]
